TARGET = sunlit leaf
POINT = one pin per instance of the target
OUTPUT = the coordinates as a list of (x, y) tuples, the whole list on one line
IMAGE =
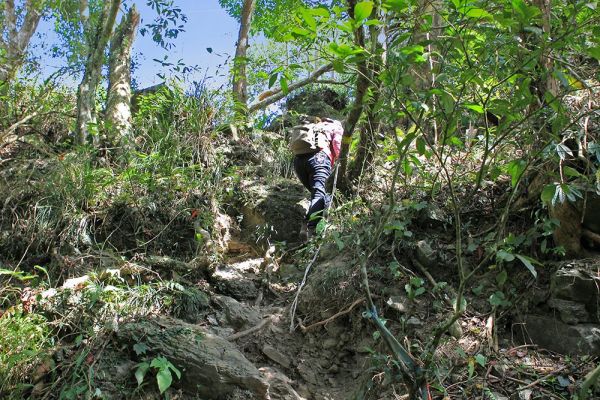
[(475, 107), (515, 169), (363, 10)]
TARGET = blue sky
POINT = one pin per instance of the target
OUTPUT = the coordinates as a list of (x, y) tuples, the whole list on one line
[(208, 25)]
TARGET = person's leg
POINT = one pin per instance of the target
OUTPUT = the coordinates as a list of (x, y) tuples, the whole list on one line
[(321, 170), (302, 169)]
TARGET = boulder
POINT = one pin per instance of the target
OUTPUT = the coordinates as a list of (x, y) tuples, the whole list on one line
[(272, 211), (275, 355), (236, 314), (578, 284), (211, 367), (237, 279), (425, 254), (557, 336), (570, 312)]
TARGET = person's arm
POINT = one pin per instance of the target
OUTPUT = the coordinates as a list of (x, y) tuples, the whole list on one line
[(336, 139)]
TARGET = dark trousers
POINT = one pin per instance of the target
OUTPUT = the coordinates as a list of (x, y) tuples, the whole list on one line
[(313, 170)]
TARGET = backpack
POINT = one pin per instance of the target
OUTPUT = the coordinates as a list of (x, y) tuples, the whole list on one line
[(307, 138)]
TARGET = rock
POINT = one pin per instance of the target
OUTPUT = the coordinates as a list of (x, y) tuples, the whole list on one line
[(236, 314), (434, 216), (237, 279), (455, 330), (309, 373), (276, 356), (290, 272), (279, 385), (211, 366), (304, 391), (557, 336), (398, 303), (329, 343), (76, 283), (425, 254), (569, 311), (414, 322), (269, 213), (575, 284), (167, 263)]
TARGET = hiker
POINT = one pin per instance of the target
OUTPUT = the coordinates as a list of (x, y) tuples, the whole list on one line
[(316, 146)]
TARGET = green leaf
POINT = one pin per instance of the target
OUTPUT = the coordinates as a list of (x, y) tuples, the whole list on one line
[(475, 107), (515, 169), (363, 10), (395, 5), (528, 262), (140, 348), (562, 151), (572, 172), (504, 256), (520, 8), (416, 48), (308, 17), (501, 278), (497, 299), (174, 369), (480, 359), (471, 367), (164, 379), (320, 12), (478, 13), (284, 85), (273, 79), (594, 52), (140, 372), (420, 145), (548, 193)]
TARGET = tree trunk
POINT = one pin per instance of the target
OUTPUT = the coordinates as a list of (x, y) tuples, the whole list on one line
[(12, 50), (118, 104), (368, 135), (548, 82), (362, 86), (86, 93), (240, 83)]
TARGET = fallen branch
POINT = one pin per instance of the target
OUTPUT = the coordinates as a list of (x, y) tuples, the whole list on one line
[(328, 320), (14, 126), (543, 378), (271, 96), (248, 331)]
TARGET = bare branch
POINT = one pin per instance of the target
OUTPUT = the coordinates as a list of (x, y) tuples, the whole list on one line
[(271, 96), (30, 23)]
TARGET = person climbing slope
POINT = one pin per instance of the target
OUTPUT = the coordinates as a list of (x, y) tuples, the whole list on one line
[(316, 146)]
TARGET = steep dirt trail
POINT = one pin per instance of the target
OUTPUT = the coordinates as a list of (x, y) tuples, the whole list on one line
[(254, 307)]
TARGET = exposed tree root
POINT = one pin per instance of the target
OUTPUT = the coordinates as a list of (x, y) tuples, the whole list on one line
[(326, 321)]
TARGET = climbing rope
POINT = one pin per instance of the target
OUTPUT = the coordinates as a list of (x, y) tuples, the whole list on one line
[(314, 258)]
